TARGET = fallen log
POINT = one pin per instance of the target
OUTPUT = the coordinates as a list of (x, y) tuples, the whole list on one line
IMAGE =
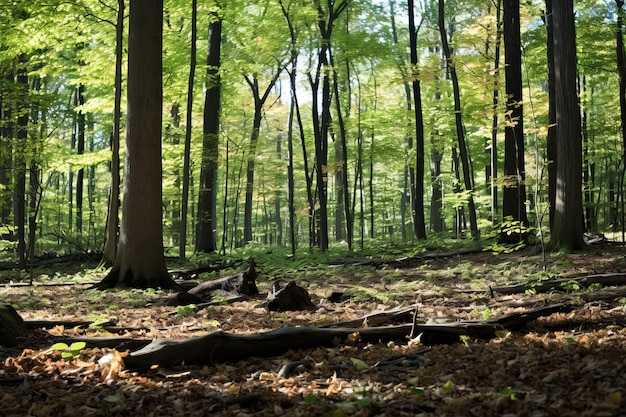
[(223, 347), (564, 284), (405, 262), (241, 283)]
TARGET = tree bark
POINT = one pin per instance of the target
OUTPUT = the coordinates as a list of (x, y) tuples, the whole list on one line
[(110, 246), (514, 188), (567, 228), (20, 161), (140, 261), (207, 194), (419, 223), (188, 127), (551, 139)]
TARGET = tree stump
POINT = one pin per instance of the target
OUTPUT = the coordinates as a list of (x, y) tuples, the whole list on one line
[(11, 325)]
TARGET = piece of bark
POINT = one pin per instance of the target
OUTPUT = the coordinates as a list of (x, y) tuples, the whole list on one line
[(290, 298), (11, 325)]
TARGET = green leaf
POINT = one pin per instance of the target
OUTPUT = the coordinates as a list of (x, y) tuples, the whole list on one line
[(417, 391), (60, 346), (359, 363), (77, 346), (309, 399), (449, 386)]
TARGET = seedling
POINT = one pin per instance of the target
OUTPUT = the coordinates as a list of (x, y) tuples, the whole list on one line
[(69, 352)]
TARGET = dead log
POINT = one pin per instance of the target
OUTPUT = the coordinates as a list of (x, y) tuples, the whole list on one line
[(380, 318), (191, 273), (223, 347), (405, 262), (564, 284), (241, 283)]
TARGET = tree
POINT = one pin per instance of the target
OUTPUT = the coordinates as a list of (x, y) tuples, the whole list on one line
[(567, 228), (140, 260), (419, 224), (460, 129), (514, 187), (207, 194), (110, 246)]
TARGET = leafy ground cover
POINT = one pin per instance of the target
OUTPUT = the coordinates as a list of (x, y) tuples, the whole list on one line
[(567, 364)]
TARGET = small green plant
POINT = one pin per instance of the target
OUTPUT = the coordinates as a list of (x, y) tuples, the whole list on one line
[(484, 314), (184, 311), (69, 352), (509, 393), (594, 287), (571, 286)]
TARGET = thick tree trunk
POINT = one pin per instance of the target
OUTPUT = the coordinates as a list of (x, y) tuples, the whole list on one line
[(207, 194), (621, 67), (514, 188), (140, 261), (567, 229)]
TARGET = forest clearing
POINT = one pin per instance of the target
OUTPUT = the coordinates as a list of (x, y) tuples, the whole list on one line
[(569, 363)]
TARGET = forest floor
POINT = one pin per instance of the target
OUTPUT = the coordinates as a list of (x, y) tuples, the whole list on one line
[(566, 364)]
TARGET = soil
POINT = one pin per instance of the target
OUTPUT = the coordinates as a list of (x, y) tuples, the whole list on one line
[(567, 364)]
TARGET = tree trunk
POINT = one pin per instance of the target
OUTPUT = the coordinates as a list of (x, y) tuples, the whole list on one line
[(493, 151), (6, 148), (419, 223), (621, 68), (80, 150), (188, 126), (140, 261), (514, 188), (207, 194), (20, 161), (110, 247), (567, 229), (460, 130), (551, 139)]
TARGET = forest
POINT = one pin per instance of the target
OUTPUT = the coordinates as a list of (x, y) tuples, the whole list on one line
[(430, 193)]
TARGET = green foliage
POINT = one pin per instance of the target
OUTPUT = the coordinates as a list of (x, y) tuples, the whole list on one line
[(186, 310), (69, 352)]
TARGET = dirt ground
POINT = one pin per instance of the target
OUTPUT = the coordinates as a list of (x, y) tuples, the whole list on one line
[(566, 364)]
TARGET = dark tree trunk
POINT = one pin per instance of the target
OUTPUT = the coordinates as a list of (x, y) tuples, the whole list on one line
[(110, 247), (621, 67), (419, 223), (20, 161), (551, 139), (6, 147), (467, 178), (188, 126), (207, 194), (567, 229), (493, 151), (259, 102), (80, 150), (140, 261), (514, 188)]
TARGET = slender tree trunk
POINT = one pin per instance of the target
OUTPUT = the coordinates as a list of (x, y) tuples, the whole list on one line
[(20, 161), (259, 102), (110, 246), (80, 150), (567, 229), (419, 223), (6, 149), (514, 187), (207, 194), (459, 121), (188, 126), (551, 144), (493, 166), (621, 68), (140, 261)]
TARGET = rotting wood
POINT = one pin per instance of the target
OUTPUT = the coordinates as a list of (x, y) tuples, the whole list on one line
[(240, 283), (563, 284)]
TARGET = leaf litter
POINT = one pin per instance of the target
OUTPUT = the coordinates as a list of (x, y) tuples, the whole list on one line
[(567, 364)]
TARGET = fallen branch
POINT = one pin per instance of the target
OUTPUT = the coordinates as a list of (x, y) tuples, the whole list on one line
[(564, 284), (406, 262)]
